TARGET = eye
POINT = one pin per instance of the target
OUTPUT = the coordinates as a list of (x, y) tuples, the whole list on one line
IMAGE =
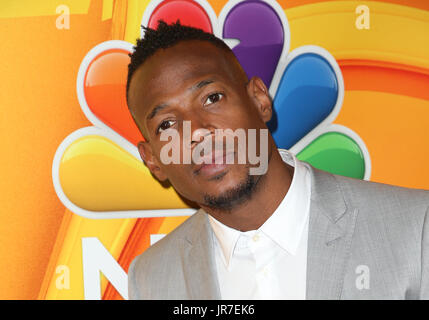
[(164, 125), (213, 98)]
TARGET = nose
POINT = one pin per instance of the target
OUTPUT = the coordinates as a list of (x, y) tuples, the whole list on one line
[(198, 135), (195, 129), (198, 124)]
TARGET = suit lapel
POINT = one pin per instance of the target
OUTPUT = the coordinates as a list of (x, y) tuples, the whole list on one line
[(331, 227), (199, 265)]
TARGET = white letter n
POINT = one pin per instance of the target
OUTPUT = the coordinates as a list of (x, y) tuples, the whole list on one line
[(96, 258)]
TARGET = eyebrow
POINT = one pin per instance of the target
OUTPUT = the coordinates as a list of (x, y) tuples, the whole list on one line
[(161, 106), (156, 110), (201, 84)]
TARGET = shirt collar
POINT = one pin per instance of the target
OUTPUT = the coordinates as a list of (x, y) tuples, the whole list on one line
[(286, 225)]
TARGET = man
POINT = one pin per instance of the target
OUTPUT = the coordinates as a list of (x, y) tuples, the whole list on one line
[(292, 232)]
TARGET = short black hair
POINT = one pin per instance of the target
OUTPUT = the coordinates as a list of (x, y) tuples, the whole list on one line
[(165, 36)]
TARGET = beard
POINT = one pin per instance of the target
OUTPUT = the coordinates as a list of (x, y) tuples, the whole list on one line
[(235, 196)]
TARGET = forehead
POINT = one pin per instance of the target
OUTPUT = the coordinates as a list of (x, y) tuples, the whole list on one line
[(169, 71)]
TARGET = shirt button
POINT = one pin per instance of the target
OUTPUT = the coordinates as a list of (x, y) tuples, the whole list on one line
[(265, 271), (255, 237)]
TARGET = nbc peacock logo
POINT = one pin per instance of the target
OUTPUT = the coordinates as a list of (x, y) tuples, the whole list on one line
[(97, 171)]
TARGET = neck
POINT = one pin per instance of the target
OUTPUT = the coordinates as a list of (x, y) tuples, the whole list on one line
[(267, 196)]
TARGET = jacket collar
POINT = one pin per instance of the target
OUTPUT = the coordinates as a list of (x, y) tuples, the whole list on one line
[(199, 265), (331, 226)]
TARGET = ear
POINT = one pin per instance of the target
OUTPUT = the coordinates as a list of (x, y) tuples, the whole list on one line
[(258, 92), (150, 161)]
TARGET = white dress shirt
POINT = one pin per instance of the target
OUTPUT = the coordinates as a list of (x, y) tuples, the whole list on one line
[(270, 262)]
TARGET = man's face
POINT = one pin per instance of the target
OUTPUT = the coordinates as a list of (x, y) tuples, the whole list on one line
[(198, 82)]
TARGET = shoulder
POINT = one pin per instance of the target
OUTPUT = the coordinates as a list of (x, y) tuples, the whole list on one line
[(386, 211), (397, 210), (361, 193)]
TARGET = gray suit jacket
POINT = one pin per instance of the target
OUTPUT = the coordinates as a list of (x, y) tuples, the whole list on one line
[(366, 241)]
